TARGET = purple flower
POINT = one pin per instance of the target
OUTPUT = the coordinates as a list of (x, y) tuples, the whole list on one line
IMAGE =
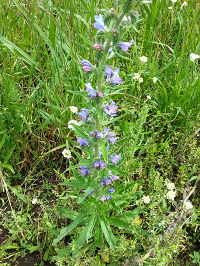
[(84, 170), (111, 134), (114, 177), (83, 142), (101, 183), (112, 140), (111, 109), (100, 154), (106, 180), (111, 190), (108, 197), (92, 133), (86, 63), (108, 71), (116, 71), (115, 158), (116, 79), (92, 92), (83, 114), (100, 164), (125, 45), (108, 147), (103, 198), (99, 24), (99, 135), (106, 130)]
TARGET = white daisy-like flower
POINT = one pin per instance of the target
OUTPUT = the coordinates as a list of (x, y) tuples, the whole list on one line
[(146, 199), (184, 4), (136, 76), (66, 153), (188, 205), (140, 80), (72, 122), (125, 19), (170, 7), (193, 57), (154, 79), (170, 186), (174, 1), (143, 59), (148, 97), (171, 195), (34, 201), (73, 109)]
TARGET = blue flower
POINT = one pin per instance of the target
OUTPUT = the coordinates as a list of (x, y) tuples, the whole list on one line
[(111, 190), (92, 92), (84, 170), (83, 142), (115, 158), (111, 109), (112, 140), (83, 114), (100, 164), (125, 45), (99, 135), (86, 63), (114, 177), (108, 71), (106, 180), (116, 79), (99, 24)]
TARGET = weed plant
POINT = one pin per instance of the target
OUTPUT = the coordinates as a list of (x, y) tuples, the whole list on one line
[(42, 44)]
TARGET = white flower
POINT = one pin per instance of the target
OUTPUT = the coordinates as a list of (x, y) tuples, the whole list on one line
[(146, 199), (170, 186), (143, 59), (170, 7), (148, 97), (137, 202), (184, 3), (140, 80), (34, 201), (66, 153), (74, 122), (174, 1), (154, 79), (188, 205), (136, 76), (73, 109), (171, 195), (125, 19), (193, 57)]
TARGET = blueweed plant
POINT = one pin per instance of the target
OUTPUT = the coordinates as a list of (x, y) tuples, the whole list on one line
[(102, 194)]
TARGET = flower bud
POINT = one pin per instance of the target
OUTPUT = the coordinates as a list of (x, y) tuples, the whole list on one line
[(112, 9), (100, 94), (86, 68), (96, 46)]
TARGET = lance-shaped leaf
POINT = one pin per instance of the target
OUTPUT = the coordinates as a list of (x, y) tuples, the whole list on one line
[(82, 197), (107, 232), (64, 231)]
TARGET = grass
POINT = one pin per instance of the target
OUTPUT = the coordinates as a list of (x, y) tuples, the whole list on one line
[(41, 45)]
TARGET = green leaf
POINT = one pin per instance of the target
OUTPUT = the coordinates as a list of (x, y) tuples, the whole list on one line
[(104, 152), (67, 213), (80, 132), (107, 232), (8, 166), (130, 215), (21, 54), (64, 231), (75, 184), (118, 223), (85, 235), (98, 237), (192, 178), (33, 248), (18, 194), (82, 197), (9, 155), (117, 169)]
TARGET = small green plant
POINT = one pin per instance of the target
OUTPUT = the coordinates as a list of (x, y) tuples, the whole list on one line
[(196, 257)]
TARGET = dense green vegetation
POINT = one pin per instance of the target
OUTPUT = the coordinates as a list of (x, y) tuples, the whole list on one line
[(41, 46)]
